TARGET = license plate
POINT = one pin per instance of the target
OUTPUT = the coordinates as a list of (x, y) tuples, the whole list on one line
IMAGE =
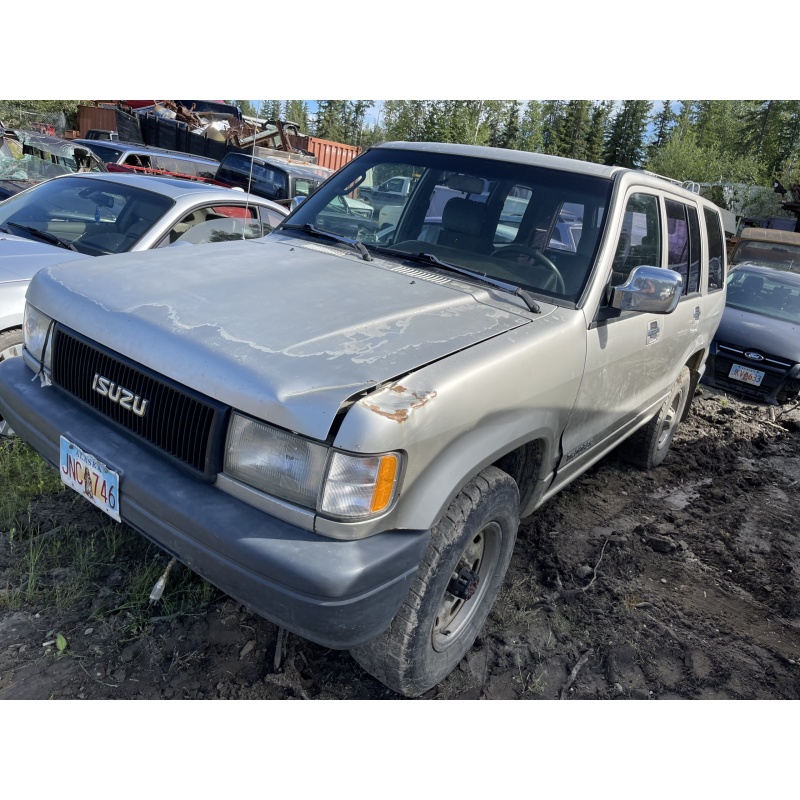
[(90, 477), (746, 375)]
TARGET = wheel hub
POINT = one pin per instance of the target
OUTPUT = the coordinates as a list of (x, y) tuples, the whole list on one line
[(464, 584)]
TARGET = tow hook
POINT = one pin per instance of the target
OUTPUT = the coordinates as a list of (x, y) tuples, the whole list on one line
[(464, 584)]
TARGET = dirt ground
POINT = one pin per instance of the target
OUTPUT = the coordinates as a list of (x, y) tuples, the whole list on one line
[(678, 583)]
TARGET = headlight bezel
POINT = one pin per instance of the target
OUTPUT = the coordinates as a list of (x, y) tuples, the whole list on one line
[(327, 489)]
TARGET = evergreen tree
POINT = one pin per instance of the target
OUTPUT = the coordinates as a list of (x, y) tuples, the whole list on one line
[(297, 111), (663, 123), (596, 136), (530, 130), (510, 132), (625, 143), (552, 119), (570, 135)]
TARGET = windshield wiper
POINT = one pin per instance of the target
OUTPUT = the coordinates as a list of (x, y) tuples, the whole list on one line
[(523, 294), (43, 235), (314, 231)]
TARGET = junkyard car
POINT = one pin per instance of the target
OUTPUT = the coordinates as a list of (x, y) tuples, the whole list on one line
[(344, 434), (276, 179), (77, 216), (756, 350), (151, 160), (29, 158)]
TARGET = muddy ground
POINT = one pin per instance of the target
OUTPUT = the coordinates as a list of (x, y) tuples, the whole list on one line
[(678, 583)]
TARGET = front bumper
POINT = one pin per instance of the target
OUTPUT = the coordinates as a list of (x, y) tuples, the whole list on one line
[(339, 594)]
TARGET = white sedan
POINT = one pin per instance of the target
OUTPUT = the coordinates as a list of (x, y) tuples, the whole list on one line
[(81, 215)]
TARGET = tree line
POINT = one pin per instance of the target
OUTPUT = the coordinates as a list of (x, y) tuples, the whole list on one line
[(716, 142), (712, 142)]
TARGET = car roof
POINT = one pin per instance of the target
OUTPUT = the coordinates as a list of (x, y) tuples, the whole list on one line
[(301, 170), (131, 147), (173, 188), (540, 160)]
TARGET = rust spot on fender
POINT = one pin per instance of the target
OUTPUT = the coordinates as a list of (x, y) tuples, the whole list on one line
[(399, 408), (397, 416)]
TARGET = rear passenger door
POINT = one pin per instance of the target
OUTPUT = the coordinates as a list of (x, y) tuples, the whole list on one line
[(684, 255)]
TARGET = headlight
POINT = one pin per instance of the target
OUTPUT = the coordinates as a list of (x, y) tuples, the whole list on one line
[(337, 484), (35, 332), (275, 462)]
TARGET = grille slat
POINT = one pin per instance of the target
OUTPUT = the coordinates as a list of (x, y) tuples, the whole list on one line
[(178, 421)]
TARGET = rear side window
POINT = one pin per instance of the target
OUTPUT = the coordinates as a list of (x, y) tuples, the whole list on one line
[(716, 251), (683, 254)]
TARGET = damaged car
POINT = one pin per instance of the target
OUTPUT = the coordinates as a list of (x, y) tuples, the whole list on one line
[(29, 158)]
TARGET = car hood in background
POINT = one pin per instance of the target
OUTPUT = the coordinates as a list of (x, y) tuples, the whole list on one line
[(280, 328), (756, 332), (21, 258)]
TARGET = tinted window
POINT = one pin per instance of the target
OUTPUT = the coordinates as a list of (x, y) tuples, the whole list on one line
[(716, 251)]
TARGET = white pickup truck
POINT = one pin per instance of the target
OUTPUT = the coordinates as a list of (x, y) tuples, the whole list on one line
[(344, 433)]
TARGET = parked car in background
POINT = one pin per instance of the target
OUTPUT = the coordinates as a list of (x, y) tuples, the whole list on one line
[(347, 217), (756, 350), (28, 158), (77, 216), (152, 160), (392, 192), (277, 179), (769, 246)]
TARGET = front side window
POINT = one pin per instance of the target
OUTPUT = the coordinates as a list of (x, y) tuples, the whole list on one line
[(639, 240)]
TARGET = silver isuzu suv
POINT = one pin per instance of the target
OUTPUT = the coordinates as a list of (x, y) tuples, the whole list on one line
[(344, 433)]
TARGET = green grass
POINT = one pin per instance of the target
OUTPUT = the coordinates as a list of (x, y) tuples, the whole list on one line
[(24, 477), (50, 561)]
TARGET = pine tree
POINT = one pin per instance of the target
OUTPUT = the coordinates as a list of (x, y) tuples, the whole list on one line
[(530, 130), (596, 137), (569, 138), (663, 123), (625, 143)]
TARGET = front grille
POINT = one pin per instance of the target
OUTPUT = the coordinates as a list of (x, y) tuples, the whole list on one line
[(775, 370), (178, 421)]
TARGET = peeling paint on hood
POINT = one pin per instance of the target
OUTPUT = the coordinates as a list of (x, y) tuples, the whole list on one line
[(276, 330)]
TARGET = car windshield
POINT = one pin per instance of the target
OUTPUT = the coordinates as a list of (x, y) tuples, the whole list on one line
[(770, 253), (94, 217), (31, 158), (529, 226), (767, 292)]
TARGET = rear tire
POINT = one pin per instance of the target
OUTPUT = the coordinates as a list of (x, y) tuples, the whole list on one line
[(649, 446), (436, 626)]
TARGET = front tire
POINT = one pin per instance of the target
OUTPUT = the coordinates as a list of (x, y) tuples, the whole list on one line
[(455, 587), (648, 447), (10, 347)]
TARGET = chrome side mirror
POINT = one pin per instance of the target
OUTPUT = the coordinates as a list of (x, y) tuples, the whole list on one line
[(650, 290)]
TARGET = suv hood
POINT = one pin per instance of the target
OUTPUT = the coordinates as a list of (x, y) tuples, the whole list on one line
[(21, 258), (280, 328)]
